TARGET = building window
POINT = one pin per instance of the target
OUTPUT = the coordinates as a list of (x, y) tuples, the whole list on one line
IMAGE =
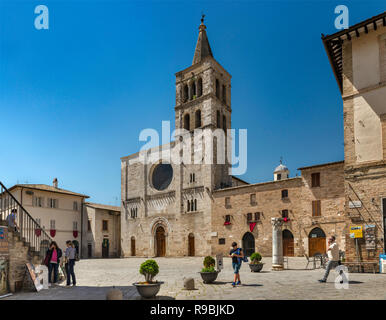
[(75, 206), (38, 202), (224, 123), (52, 224), (186, 93), (198, 118), (192, 177), (195, 205), (227, 218), (218, 119), (315, 179), (217, 88), (221, 241), (187, 122), (227, 202), (284, 214), (52, 203), (316, 208), (257, 216), (199, 87), (75, 225), (284, 194), (133, 213), (224, 94), (253, 199), (249, 217), (105, 225), (194, 93), (89, 225)]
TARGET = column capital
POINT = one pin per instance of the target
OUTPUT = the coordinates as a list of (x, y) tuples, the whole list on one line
[(277, 222)]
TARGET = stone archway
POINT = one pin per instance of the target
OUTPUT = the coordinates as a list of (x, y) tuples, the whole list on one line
[(154, 225), (288, 243), (316, 242), (248, 244)]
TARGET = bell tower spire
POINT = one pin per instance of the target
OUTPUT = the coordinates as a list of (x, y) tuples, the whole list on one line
[(202, 47)]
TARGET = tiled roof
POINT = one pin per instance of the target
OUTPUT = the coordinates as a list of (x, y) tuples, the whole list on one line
[(44, 187), (102, 206)]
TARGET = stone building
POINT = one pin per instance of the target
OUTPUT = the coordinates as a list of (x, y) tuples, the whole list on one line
[(313, 205), (188, 209), (103, 231), (358, 59)]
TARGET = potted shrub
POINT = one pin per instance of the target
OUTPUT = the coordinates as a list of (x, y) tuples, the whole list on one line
[(148, 288), (209, 273), (256, 265)]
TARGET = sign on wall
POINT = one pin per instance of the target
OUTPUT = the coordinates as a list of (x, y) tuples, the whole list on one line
[(356, 232), (4, 249), (370, 236), (355, 204)]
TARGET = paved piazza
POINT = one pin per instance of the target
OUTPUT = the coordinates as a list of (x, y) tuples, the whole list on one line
[(95, 277)]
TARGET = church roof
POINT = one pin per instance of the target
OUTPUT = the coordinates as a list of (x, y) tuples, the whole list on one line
[(202, 47)]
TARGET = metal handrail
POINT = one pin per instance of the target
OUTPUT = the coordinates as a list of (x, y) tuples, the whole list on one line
[(28, 228)]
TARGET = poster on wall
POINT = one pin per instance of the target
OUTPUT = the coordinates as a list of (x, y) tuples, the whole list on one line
[(370, 236), (35, 279), (4, 250)]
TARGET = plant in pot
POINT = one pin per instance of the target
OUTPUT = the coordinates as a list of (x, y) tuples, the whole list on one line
[(209, 273), (256, 265), (148, 288)]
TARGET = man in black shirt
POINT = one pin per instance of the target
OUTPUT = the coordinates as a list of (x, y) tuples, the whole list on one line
[(237, 255)]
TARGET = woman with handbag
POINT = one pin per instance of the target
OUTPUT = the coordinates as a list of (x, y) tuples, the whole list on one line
[(52, 260)]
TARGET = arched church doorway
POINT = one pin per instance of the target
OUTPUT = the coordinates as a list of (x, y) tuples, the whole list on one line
[(316, 242), (191, 249), (160, 242), (132, 242), (288, 243), (248, 244)]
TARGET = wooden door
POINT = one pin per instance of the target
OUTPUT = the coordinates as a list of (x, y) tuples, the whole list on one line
[(316, 245), (160, 242), (89, 250), (248, 244), (133, 246), (105, 248), (191, 245), (288, 243)]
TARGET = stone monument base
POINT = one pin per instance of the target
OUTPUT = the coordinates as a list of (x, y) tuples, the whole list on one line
[(277, 267)]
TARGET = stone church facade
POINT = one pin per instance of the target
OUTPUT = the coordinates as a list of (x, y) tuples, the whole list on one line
[(199, 209)]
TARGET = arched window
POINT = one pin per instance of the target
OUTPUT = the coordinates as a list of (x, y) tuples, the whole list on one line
[(218, 119), (188, 206), (185, 93), (199, 87), (224, 94), (217, 88), (224, 123), (187, 122), (195, 205), (194, 92), (198, 118)]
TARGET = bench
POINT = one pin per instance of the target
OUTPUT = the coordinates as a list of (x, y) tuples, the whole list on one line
[(361, 264)]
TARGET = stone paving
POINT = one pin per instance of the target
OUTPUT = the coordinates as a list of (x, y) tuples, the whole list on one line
[(97, 276)]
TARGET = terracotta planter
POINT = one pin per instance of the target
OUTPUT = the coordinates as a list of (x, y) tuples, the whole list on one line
[(256, 267), (209, 277), (149, 290)]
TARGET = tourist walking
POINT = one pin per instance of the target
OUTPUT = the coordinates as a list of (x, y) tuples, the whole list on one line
[(237, 256), (52, 260), (70, 256), (11, 220), (333, 257)]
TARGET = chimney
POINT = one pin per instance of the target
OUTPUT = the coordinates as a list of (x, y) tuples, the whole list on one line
[(55, 183)]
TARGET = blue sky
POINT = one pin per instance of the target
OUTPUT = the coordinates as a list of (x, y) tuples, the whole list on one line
[(74, 98)]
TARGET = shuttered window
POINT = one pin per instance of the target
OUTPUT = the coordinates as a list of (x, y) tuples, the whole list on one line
[(315, 179), (316, 208)]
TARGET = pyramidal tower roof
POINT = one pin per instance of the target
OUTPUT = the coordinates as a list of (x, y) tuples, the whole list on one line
[(202, 47)]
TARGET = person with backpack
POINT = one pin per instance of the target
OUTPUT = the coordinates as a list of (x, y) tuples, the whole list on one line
[(237, 256), (70, 257), (52, 261)]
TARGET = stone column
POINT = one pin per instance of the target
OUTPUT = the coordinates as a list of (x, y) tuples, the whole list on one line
[(277, 244)]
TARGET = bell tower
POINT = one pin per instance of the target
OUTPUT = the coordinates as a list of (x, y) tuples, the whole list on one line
[(203, 100)]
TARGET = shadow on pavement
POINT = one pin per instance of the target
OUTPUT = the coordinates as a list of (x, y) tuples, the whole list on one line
[(156, 298)]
